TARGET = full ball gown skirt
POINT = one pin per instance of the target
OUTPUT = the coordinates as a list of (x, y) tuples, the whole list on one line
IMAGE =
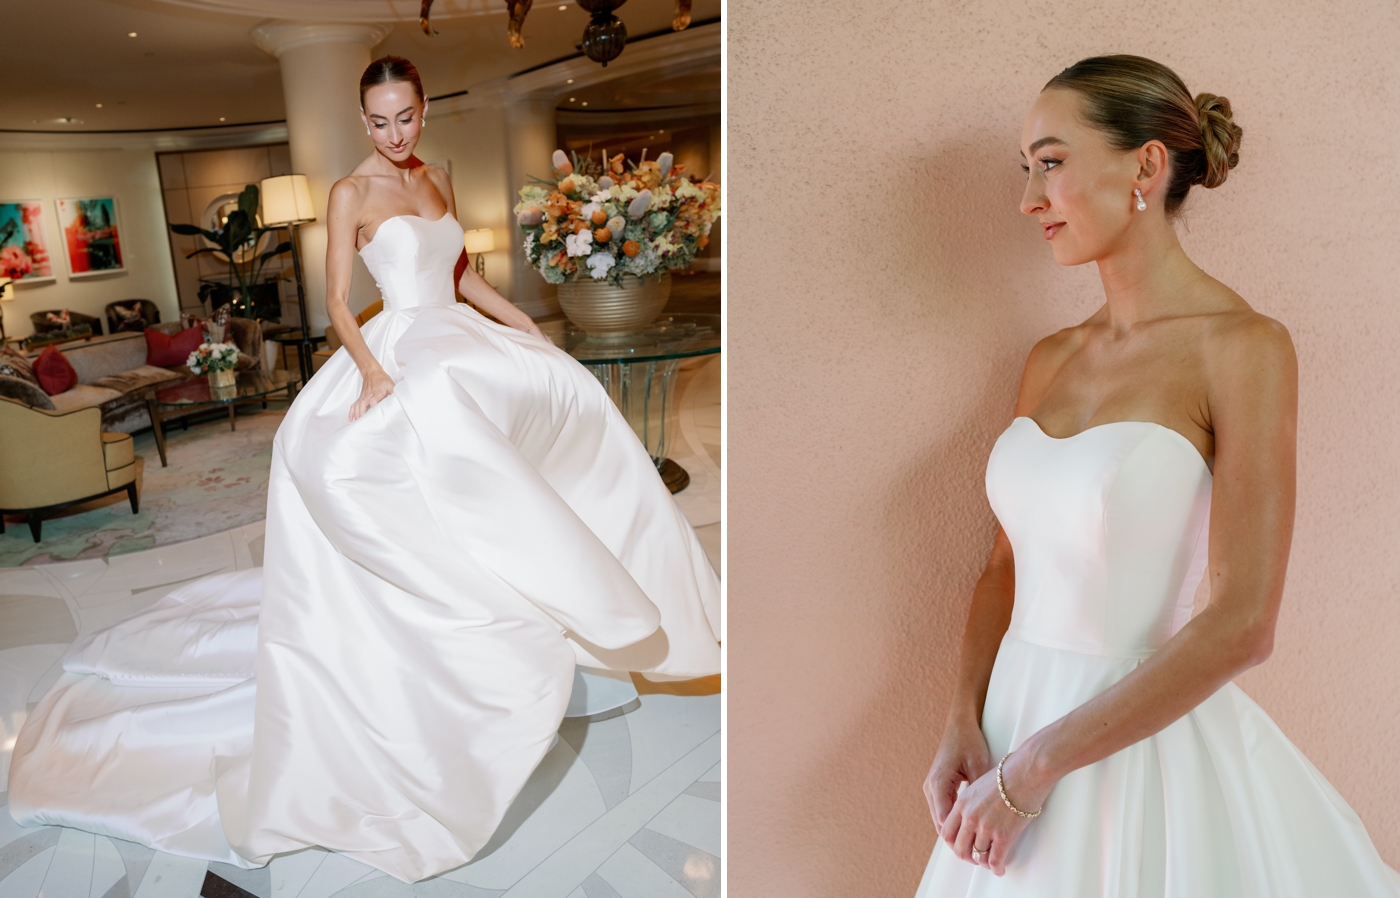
[(434, 571), (1108, 529)]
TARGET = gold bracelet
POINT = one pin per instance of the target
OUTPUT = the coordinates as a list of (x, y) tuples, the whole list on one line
[(1001, 787)]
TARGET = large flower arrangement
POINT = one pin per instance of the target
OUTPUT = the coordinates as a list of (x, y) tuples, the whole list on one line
[(609, 217), (213, 357)]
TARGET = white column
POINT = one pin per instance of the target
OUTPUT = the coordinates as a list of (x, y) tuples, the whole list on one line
[(321, 67), (531, 139)]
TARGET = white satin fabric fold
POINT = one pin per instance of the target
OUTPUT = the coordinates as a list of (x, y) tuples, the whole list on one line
[(433, 573), (1108, 533)]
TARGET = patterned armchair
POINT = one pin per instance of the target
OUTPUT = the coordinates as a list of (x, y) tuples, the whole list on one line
[(131, 315)]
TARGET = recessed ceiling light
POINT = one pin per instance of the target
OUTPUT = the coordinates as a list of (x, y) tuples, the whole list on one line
[(562, 8), (585, 102), (662, 131), (571, 99), (131, 34), (570, 81), (221, 118), (99, 105)]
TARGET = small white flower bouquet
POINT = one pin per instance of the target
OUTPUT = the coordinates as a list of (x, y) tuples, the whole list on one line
[(213, 357)]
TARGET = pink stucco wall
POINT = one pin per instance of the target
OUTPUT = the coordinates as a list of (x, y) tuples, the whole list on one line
[(883, 293)]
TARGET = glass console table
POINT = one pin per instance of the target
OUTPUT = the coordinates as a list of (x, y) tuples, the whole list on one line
[(639, 374)]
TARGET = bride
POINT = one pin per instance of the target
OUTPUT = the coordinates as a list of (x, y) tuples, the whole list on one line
[(457, 517), (1096, 745)]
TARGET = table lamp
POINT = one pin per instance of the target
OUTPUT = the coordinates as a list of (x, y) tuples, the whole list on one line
[(286, 203), (7, 293), (478, 241)]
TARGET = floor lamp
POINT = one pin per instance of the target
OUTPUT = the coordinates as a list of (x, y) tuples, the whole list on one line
[(477, 242), (286, 203)]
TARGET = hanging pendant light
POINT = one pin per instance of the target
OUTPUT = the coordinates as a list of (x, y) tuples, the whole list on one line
[(605, 35)]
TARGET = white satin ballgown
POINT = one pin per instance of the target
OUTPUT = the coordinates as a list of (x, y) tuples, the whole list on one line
[(434, 571), (1108, 530)]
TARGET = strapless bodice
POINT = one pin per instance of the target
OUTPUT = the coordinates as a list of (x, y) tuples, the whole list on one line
[(412, 260), (1108, 529)]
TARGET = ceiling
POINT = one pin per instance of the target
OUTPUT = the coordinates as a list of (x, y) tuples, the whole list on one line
[(193, 64)]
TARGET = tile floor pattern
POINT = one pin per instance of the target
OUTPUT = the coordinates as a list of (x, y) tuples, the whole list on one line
[(626, 807)]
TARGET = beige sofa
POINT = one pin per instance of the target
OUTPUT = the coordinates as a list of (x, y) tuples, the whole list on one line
[(51, 459), (113, 375), (111, 370)]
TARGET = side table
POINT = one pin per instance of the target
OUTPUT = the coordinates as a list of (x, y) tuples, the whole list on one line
[(638, 371), (180, 398)]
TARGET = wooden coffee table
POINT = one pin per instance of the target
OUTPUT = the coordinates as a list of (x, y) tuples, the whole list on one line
[(180, 398)]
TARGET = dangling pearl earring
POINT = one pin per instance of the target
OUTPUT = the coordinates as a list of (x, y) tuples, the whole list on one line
[(1141, 203), (423, 122), (366, 129)]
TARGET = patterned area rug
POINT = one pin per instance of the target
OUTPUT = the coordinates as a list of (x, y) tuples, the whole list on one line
[(217, 480)]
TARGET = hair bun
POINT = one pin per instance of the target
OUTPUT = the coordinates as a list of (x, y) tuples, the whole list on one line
[(1221, 138)]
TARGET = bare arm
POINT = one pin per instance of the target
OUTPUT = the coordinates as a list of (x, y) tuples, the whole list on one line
[(1252, 373), (342, 227), (963, 756), (1253, 409)]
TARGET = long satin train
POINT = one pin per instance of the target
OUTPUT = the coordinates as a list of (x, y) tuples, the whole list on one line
[(434, 571)]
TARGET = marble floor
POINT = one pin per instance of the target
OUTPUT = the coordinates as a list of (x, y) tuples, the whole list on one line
[(622, 807)]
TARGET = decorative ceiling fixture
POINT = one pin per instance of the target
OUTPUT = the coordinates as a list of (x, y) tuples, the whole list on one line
[(605, 35), (603, 39)]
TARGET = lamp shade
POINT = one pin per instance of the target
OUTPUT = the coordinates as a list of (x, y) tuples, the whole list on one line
[(286, 199), (480, 240), (7, 289)]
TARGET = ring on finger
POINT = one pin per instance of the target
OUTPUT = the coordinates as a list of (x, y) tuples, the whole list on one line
[(979, 853)]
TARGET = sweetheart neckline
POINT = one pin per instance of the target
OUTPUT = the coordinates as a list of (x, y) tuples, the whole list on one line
[(392, 217), (1171, 430)]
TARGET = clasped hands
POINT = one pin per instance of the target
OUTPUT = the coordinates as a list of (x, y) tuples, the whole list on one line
[(977, 818)]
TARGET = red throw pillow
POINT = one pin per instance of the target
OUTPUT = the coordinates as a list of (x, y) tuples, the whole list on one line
[(166, 351), (55, 374)]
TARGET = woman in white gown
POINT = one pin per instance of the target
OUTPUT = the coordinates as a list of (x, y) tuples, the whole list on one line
[(1096, 745), (457, 516)]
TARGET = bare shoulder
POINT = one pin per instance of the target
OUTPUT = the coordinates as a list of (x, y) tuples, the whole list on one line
[(1051, 352), (438, 175), (1045, 360), (1247, 338), (348, 195), (1252, 373), (440, 179)]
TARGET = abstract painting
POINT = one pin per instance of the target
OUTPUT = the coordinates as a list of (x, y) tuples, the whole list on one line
[(24, 251), (91, 235)]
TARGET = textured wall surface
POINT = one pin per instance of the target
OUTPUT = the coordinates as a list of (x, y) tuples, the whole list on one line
[(883, 293)]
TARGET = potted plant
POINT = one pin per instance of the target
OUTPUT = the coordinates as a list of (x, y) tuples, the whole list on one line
[(236, 242), (609, 232)]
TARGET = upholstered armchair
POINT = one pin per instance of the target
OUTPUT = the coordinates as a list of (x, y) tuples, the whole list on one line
[(50, 460), (149, 314), (42, 324)]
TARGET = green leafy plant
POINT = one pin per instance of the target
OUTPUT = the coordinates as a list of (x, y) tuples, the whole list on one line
[(240, 233)]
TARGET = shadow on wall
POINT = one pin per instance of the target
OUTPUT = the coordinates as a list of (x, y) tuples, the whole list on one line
[(979, 310)]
